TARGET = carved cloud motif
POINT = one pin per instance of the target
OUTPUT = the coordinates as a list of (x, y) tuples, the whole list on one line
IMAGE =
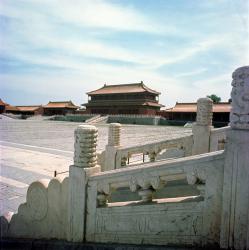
[(144, 181)]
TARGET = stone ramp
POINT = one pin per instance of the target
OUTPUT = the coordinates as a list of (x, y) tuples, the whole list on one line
[(8, 117), (22, 244), (97, 119)]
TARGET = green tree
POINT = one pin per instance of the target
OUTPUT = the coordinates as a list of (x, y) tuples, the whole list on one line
[(214, 98)]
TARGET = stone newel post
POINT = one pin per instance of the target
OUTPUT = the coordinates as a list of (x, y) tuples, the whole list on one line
[(202, 127), (85, 143), (112, 146), (235, 210), (85, 164), (114, 134)]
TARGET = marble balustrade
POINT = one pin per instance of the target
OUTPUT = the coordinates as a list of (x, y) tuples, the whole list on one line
[(79, 208)]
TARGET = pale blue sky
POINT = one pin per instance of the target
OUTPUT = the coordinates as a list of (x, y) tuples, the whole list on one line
[(61, 49)]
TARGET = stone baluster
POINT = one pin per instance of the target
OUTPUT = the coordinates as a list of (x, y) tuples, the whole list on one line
[(152, 156), (202, 127), (102, 199), (235, 209), (123, 161), (112, 146), (221, 144), (85, 164), (145, 185), (103, 194), (197, 178)]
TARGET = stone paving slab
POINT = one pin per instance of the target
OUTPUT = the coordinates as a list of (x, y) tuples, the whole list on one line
[(19, 168), (37, 148), (60, 135)]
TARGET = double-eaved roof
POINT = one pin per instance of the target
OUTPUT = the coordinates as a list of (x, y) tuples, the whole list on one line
[(221, 107), (123, 89), (64, 104)]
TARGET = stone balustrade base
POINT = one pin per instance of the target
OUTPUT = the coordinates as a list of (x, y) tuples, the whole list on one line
[(28, 244)]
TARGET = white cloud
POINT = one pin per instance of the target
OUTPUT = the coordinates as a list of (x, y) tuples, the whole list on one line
[(38, 31), (191, 73), (38, 25), (184, 53), (101, 14), (83, 13), (89, 77), (71, 49)]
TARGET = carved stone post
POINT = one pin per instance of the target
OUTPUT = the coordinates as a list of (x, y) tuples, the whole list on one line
[(112, 146), (85, 164), (235, 210), (202, 127), (85, 155), (114, 134)]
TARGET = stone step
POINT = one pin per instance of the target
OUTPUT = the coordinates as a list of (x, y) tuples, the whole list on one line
[(21, 244)]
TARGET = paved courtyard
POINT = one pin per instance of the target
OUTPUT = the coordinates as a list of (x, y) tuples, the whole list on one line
[(34, 149)]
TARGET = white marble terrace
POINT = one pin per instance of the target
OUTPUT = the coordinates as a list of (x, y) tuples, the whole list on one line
[(80, 208)]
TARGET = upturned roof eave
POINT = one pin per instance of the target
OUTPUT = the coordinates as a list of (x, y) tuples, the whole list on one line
[(47, 107), (144, 89), (67, 104)]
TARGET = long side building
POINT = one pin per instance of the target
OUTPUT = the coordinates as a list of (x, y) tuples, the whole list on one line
[(135, 98), (30, 110), (60, 108), (186, 112)]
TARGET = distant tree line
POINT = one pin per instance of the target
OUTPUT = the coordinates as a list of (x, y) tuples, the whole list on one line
[(214, 98)]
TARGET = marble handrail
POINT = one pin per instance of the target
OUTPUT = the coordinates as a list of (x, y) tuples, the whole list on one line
[(153, 149), (218, 138), (154, 219), (152, 175)]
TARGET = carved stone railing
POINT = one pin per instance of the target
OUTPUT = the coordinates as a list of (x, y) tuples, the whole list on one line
[(152, 150), (43, 215), (80, 208), (235, 212), (204, 139), (218, 138), (56, 209), (187, 221)]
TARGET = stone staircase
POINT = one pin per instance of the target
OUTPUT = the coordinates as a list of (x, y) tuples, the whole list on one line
[(9, 116), (97, 119)]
